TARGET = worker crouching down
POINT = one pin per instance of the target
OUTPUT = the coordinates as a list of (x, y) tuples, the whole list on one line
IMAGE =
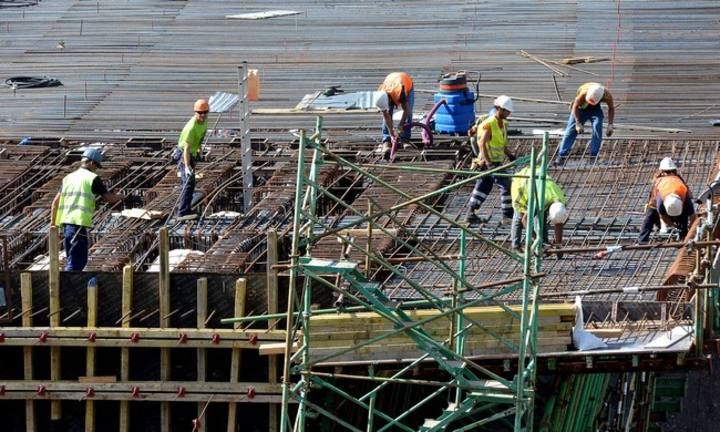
[(396, 91), (74, 205), (670, 202), (555, 207), (492, 145), (189, 144)]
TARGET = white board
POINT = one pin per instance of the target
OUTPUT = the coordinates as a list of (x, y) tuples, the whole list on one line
[(263, 15)]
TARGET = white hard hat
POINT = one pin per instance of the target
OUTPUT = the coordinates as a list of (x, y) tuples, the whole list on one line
[(381, 100), (667, 164), (594, 94), (673, 205), (558, 213), (504, 102)]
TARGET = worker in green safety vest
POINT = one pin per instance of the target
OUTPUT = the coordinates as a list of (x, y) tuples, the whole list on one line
[(74, 205), (555, 206)]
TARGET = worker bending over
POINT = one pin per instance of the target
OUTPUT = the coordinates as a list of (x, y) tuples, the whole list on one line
[(397, 91), (189, 144), (670, 202), (555, 206), (492, 145), (586, 106), (73, 207)]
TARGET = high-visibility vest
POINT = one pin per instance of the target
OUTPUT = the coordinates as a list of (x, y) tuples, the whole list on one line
[(519, 191), (498, 138), (583, 89), (666, 185), (395, 85), (77, 201), (193, 133)]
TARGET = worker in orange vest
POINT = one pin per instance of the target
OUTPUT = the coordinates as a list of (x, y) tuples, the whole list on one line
[(670, 202), (397, 91)]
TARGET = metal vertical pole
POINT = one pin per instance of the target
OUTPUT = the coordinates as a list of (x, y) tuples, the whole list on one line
[(458, 300), (245, 144), (294, 261)]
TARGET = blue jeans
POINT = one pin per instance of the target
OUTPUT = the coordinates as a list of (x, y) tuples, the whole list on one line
[(187, 189), (593, 113), (405, 132), (76, 247)]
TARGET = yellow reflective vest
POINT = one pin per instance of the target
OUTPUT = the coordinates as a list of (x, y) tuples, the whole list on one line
[(77, 201), (519, 191), (498, 138)]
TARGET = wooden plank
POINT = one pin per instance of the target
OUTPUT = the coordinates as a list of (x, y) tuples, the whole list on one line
[(127, 294), (153, 334), (147, 397), (275, 348), (27, 305), (207, 388), (235, 362), (164, 297), (92, 302), (272, 306), (588, 59), (54, 294), (202, 298), (97, 379)]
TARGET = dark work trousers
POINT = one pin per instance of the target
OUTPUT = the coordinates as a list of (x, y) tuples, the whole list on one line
[(484, 186), (187, 188), (652, 219), (516, 229), (76, 247)]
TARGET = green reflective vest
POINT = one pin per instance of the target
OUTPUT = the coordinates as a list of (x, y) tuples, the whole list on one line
[(519, 191), (498, 138), (77, 201)]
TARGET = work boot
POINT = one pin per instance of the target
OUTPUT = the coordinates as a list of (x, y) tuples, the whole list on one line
[(472, 218), (187, 217), (560, 160)]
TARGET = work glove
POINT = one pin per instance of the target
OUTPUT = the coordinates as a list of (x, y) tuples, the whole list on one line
[(189, 171), (579, 129), (663, 227), (609, 130), (478, 164)]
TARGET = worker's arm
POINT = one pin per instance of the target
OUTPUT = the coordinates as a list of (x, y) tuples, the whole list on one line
[(404, 118), (559, 233), (186, 155), (576, 106), (485, 138), (112, 197), (53, 208), (611, 106), (388, 123)]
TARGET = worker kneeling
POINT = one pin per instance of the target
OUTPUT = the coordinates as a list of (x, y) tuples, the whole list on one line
[(670, 202), (555, 206)]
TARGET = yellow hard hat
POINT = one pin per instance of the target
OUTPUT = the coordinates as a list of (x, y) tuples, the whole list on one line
[(201, 105)]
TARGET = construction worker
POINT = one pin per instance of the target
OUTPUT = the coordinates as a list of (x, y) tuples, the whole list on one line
[(670, 202), (74, 205), (555, 206), (492, 145), (586, 106), (189, 144), (397, 91)]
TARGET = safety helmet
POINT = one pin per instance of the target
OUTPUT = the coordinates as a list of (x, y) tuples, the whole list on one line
[(381, 100), (594, 94), (558, 213), (504, 102), (673, 205), (667, 164), (93, 154), (201, 105)]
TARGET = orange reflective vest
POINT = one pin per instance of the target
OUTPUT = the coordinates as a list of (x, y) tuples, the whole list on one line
[(665, 186), (397, 85)]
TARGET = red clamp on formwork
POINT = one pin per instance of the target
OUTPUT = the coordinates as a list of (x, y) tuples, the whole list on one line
[(2, 337), (182, 338), (251, 392), (43, 336), (608, 250), (196, 424), (181, 392), (134, 337), (91, 336), (2, 389), (215, 338), (41, 390), (252, 338), (135, 391), (89, 392)]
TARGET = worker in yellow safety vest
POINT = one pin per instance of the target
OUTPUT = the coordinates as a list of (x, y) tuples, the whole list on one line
[(555, 206), (74, 205)]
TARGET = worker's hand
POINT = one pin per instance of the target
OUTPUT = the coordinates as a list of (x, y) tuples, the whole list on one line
[(472, 131), (579, 129), (478, 164), (609, 130), (511, 157)]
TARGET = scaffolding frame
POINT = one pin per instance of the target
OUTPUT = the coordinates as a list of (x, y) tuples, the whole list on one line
[(478, 396)]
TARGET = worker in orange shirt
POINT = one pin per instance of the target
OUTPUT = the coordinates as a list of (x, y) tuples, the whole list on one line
[(397, 91), (670, 202)]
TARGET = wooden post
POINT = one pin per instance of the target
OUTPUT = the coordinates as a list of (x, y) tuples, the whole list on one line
[(92, 302), (54, 293), (240, 295), (164, 296), (202, 292), (27, 302), (272, 307), (127, 292)]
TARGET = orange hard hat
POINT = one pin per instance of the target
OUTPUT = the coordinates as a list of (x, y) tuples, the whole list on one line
[(201, 105)]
